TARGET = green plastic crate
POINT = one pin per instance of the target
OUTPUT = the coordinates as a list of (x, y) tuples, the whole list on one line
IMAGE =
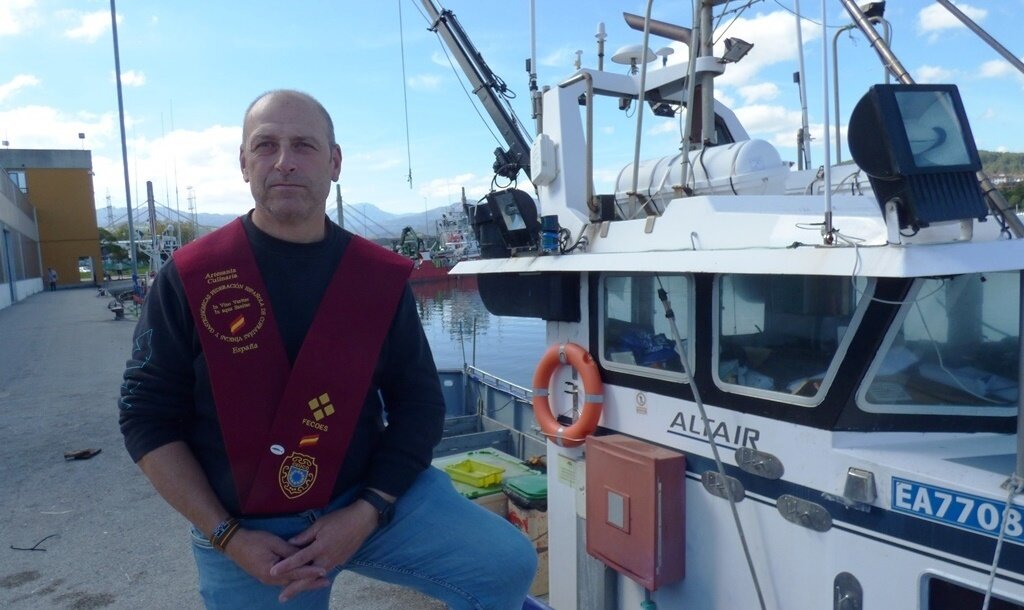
[(528, 491)]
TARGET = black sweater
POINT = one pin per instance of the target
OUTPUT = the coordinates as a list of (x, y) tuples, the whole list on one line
[(166, 395)]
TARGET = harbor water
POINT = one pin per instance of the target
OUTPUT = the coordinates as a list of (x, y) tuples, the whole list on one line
[(461, 330)]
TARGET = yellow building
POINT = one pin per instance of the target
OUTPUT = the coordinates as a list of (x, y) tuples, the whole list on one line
[(58, 184)]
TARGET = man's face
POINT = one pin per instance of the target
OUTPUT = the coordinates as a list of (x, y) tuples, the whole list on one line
[(287, 160)]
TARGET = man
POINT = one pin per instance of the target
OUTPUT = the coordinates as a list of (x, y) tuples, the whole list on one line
[(51, 275), (254, 397)]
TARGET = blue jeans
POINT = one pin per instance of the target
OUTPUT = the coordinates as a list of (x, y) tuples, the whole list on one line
[(439, 543)]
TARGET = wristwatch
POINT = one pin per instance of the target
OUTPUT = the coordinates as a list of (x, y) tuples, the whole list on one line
[(385, 509)]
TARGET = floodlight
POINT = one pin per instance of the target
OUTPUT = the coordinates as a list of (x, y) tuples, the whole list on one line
[(915, 144), (873, 10), (504, 223), (735, 50)]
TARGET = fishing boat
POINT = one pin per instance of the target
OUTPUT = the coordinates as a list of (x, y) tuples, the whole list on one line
[(434, 257), (765, 387)]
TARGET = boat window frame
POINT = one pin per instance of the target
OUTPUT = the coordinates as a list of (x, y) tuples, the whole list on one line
[(918, 409), (685, 321), (864, 299)]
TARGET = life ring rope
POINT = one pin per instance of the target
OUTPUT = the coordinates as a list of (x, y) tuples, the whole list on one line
[(593, 398)]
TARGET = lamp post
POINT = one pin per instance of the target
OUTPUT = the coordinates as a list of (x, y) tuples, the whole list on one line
[(124, 152)]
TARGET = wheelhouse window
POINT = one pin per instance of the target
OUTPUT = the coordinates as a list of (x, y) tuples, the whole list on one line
[(953, 350), (782, 337), (635, 335)]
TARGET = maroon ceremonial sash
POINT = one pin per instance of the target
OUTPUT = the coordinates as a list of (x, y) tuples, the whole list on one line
[(287, 429)]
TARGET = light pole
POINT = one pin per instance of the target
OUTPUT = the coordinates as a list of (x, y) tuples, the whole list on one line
[(124, 152)]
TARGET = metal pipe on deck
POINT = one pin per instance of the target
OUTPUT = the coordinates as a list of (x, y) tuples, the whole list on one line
[(633, 194), (805, 140), (827, 237)]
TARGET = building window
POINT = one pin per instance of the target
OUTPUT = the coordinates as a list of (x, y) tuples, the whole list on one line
[(17, 176)]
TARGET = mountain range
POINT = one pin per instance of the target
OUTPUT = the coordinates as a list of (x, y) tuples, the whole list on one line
[(363, 219)]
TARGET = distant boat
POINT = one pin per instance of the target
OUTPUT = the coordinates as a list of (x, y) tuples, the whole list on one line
[(435, 257)]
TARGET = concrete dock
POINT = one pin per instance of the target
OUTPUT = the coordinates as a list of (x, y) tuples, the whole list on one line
[(93, 533)]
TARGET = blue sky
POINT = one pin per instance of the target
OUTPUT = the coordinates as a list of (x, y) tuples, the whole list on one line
[(190, 68)]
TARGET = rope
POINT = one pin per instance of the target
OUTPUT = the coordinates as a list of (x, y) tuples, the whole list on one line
[(671, 317), (455, 71), (405, 94), (1016, 485)]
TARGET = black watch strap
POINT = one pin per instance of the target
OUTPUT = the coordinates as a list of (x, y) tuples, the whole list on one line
[(385, 509)]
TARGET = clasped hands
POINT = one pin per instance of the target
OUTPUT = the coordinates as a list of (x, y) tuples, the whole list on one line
[(303, 562)]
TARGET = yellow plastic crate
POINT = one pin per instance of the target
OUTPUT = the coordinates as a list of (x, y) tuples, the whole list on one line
[(472, 472)]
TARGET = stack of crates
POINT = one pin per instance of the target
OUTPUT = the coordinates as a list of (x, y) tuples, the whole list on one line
[(474, 475), (528, 510), (505, 485)]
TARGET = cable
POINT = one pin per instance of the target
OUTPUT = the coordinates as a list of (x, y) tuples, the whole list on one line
[(472, 101), (670, 315), (1016, 485), (938, 354), (739, 13), (405, 94), (817, 23)]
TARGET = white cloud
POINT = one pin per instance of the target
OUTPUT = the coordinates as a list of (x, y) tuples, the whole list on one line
[(996, 68), (91, 26), (130, 78), (933, 74), (16, 16), (1000, 69), (439, 58), (562, 57), (725, 98), (665, 126), (46, 127), (764, 92), (767, 122), (772, 35), (425, 82), (444, 190), (15, 84), (206, 160), (935, 19)]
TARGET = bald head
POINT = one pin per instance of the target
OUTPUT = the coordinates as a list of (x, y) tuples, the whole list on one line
[(293, 94)]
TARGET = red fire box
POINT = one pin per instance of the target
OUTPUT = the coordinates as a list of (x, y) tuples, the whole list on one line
[(635, 508)]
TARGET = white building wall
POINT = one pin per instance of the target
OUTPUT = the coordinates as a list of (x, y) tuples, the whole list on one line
[(17, 220)]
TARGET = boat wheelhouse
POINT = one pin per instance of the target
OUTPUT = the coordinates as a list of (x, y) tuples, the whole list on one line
[(833, 354)]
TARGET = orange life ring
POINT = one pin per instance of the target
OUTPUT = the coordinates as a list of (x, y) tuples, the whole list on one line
[(581, 360)]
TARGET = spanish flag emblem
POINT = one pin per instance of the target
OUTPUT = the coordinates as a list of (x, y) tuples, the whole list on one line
[(237, 324), (309, 440)]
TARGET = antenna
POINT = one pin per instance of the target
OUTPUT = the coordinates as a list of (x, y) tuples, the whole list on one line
[(633, 55)]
